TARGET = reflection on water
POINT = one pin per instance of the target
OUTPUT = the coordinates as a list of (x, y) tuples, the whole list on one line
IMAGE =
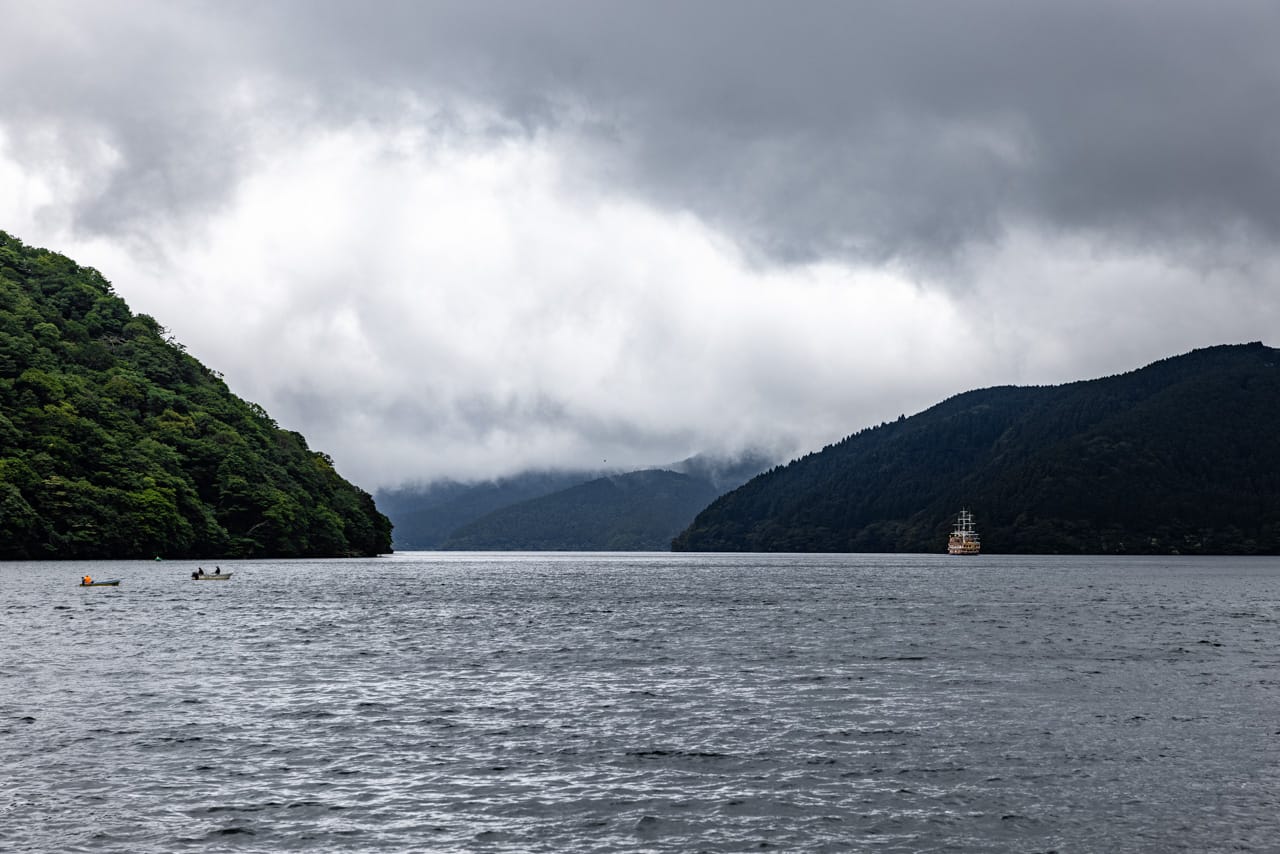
[(643, 702)]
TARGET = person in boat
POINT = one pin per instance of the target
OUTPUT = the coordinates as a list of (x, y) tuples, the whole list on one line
[(86, 581), (201, 570), (217, 570), (195, 576)]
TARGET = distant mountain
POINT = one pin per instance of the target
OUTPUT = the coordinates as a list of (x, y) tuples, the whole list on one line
[(114, 443), (442, 515), (723, 473), (424, 517), (1182, 456), (639, 511)]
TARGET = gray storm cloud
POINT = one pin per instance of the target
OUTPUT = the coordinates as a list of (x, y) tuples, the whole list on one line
[(493, 235), (871, 129)]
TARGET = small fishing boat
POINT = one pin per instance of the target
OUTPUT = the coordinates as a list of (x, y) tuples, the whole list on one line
[(217, 576), (113, 582)]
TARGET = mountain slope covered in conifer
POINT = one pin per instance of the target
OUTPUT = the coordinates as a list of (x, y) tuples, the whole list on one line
[(1182, 456), (114, 443)]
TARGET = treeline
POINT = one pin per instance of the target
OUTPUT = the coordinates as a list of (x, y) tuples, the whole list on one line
[(115, 443), (1182, 456)]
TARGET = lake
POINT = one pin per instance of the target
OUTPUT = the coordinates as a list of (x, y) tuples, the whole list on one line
[(643, 702)]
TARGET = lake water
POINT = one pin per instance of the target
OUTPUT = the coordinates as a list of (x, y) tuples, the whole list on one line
[(643, 703)]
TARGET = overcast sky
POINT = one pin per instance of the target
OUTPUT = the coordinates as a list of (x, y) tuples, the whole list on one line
[(466, 239)]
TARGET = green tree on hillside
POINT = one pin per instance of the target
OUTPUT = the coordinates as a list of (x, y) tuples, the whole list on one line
[(114, 442)]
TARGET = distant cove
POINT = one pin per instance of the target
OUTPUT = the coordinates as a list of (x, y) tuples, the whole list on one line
[(115, 443)]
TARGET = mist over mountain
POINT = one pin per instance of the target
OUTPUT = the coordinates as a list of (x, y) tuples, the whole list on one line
[(1179, 457), (459, 240), (723, 473)]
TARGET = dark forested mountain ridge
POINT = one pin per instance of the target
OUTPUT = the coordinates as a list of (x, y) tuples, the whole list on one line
[(114, 443), (637, 511), (428, 516), (1182, 456)]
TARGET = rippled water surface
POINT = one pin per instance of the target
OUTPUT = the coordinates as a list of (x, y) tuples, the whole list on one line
[(643, 702)]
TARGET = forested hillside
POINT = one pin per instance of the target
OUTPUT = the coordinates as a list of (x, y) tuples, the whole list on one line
[(114, 443), (1182, 456)]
